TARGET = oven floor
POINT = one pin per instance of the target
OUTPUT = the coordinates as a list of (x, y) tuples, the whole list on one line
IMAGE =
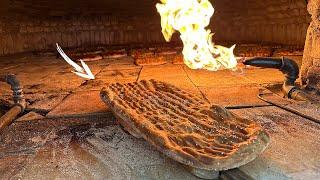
[(67, 132)]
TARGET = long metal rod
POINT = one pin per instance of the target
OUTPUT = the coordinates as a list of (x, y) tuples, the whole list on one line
[(247, 106), (290, 110)]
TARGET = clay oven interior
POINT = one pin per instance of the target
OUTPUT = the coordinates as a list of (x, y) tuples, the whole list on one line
[(28, 26), (65, 116)]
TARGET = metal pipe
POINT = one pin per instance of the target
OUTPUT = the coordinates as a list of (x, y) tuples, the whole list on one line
[(17, 92), (8, 118), (18, 98), (291, 71)]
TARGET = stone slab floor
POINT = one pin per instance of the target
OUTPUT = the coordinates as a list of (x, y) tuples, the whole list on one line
[(68, 133)]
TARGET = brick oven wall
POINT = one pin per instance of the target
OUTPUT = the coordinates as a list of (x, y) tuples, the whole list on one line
[(33, 35), (33, 25), (261, 21)]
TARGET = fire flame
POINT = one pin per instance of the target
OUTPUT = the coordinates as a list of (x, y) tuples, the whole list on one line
[(190, 18)]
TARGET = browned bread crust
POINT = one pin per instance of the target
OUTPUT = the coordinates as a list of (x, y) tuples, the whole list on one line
[(253, 51), (115, 53), (185, 127), (142, 53), (144, 57), (177, 59), (90, 57), (155, 60)]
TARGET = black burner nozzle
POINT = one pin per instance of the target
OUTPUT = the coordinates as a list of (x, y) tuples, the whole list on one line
[(288, 67)]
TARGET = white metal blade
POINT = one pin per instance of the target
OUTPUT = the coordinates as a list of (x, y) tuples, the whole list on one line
[(68, 60), (84, 72), (87, 69)]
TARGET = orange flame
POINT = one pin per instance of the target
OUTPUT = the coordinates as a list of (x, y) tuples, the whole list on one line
[(190, 18)]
